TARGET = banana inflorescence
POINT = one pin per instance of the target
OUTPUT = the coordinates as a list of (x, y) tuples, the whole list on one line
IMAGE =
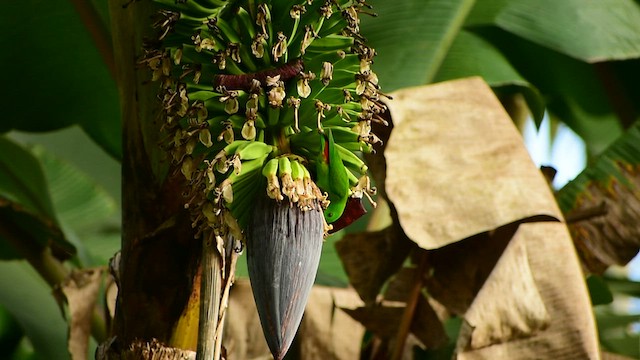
[(249, 89)]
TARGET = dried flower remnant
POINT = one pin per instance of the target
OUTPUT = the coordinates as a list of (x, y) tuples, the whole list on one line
[(326, 74), (304, 90), (309, 35), (257, 45), (296, 11), (230, 100), (280, 48)]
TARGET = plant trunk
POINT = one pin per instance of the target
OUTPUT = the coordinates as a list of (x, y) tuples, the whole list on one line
[(159, 255)]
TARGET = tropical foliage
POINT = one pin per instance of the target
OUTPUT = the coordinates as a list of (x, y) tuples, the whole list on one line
[(461, 195)]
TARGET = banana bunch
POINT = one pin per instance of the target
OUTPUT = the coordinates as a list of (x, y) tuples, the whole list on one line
[(251, 91), (267, 106)]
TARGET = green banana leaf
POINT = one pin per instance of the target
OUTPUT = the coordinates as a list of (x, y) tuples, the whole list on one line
[(10, 332), (571, 88), (589, 30), (412, 38), (612, 165), (85, 209), (472, 55), (54, 76), (599, 290), (623, 286), (27, 217), (79, 202), (616, 334), (419, 42), (28, 299)]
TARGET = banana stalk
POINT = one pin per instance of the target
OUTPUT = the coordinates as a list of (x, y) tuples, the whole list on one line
[(211, 294)]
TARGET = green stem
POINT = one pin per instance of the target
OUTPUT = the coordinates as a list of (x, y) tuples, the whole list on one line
[(293, 32)]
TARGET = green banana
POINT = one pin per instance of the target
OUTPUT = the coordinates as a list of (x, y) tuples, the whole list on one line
[(249, 169), (330, 43), (254, 150), (331, 176), (235, 147), (270, 168), (352, 160), (243, 187), (270, 171), (296, 170), (297, 173), (284, 166)]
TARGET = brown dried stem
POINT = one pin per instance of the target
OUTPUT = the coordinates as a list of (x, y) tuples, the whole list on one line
[(586, 214), (410, 309)]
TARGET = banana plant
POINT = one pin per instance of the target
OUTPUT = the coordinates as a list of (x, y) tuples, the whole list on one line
[(267, 109)]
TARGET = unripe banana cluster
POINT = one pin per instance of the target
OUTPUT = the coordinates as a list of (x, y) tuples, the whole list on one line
[(291, 179), (248, 89)]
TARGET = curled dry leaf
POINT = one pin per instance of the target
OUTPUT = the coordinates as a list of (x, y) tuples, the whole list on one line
[(466, 160), (427, 327), (458, 271), (611, 237), (81, 290), (384, 320), (384, 251), (243, 336), (554, 267), (508, 305), (468, 163), (399, 287), (326, 331)]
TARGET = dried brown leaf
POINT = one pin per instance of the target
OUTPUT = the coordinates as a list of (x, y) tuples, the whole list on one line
[(81, 290), (326, 332), (399, 287), (243, 336), (376, 160), (426, 325), (381, 319), (384, 319), (455, 147), (458, 271), (110, 297), (608, 234), (370, 258), (508, 306), (556, 273)]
